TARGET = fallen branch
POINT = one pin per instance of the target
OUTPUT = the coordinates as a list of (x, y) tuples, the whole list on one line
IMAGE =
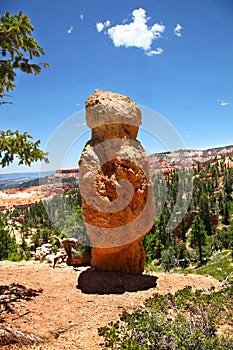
[(9, 336)]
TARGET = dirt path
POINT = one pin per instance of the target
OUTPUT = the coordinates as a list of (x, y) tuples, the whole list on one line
[(78, 301)]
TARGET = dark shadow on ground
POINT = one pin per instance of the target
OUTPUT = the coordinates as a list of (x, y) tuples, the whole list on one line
[(109, 282), (9, 294)]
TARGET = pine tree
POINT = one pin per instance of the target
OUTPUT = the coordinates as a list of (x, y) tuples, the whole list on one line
[(198, 237), (226, 214), (228, 184), (18, 48), (205, 213), (7, 243)]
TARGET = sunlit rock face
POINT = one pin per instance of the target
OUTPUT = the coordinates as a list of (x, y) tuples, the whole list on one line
[(117, 194)]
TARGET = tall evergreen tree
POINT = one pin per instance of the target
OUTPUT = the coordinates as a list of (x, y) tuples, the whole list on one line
[(205, 213), (198, 237), (226, 213), (7, 243)]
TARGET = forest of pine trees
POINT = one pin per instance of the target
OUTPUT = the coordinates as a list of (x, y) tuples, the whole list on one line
[(206, 226), (194, 218)]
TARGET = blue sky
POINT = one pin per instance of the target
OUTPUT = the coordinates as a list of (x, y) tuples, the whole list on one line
[(172, 56)]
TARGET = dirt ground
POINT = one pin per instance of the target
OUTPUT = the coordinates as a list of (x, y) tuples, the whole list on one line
[(36, 298)]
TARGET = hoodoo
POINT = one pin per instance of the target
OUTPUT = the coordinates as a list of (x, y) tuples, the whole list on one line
[(117, 193)]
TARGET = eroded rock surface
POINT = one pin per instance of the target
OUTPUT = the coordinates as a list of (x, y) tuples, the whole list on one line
[(117, 194)]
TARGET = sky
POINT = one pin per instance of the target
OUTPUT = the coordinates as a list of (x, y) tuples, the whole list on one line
[(173, 57)]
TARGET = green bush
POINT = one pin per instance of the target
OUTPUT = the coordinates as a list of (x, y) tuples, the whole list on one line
[(14, 257), (183, 321)]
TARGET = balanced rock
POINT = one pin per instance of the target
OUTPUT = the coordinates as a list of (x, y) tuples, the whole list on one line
[(117, 193)]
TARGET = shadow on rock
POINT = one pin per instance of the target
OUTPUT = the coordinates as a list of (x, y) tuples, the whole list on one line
[(109, 282)]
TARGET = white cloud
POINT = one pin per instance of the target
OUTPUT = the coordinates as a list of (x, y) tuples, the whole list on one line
[(177, 30), (224, 103), (107, 23), (82, 16), (158, 51), (100, 26), (70, 30), (157, 29), (135, 34)]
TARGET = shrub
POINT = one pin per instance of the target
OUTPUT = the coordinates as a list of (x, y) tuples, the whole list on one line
[(14, 257), (185, 320)]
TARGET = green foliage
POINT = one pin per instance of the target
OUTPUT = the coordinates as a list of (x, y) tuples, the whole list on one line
[(18, 48), (72, 226), (167, 258), (14, 256), (60, 216), (219, 266), (228, 183), (226, 212), (185, 320), (223, 238), (153, 245), (211, 201), (198, 236), (74, 196), (204, 212), (8, 247), (36, 240), (14, 144)]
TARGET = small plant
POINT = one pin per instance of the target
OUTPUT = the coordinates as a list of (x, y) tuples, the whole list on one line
[(14, 257)]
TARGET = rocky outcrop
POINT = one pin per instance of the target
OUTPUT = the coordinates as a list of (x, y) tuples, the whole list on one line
[(117, 194), (74, 257), (46, 252)]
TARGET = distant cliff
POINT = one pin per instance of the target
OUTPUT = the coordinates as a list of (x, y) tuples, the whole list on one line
[(16, 193), (187, 158)]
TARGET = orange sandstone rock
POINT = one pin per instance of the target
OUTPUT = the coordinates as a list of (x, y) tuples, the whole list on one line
[(117, 194)]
